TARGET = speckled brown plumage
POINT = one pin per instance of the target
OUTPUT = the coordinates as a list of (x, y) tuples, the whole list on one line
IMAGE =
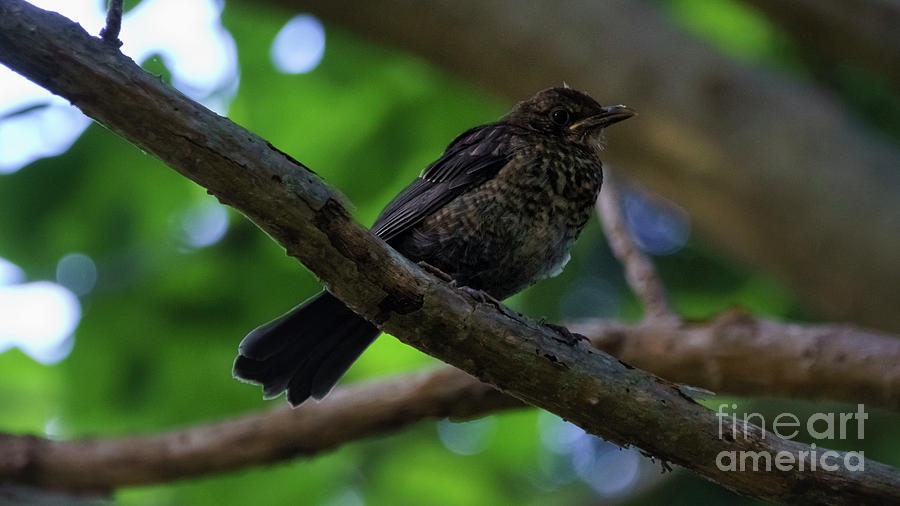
[(515, 228), (498, 211)]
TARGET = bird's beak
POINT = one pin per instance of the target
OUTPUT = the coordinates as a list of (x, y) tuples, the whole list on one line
[(607, 116)]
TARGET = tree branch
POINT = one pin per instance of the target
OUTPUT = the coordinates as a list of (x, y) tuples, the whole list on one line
[(259, 438), (110, 33), (735, 146), (738, 354), (525, 360), (639, 270), (747, 356)]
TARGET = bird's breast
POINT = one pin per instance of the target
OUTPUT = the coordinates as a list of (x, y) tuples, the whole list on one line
[(513, 229)]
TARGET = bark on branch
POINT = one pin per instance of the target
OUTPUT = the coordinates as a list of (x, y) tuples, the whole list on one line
[(523, 359), (734, 354), (738, 354), (279, 434)]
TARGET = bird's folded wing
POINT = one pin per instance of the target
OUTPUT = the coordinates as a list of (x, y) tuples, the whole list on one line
[(474, 157)]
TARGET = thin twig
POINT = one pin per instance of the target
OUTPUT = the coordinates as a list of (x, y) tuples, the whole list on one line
[(639, 270), (110, 34)]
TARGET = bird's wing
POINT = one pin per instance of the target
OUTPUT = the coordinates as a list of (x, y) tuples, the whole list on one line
[(471, 159)]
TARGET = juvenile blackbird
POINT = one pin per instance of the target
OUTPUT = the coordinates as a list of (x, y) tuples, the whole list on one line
[(498, 211)]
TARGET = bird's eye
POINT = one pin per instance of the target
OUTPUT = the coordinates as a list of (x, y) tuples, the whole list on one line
[(559, 116)]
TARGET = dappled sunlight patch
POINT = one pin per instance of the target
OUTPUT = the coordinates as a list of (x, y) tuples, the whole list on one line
[(38, 318), (203, 224), (188, 36)]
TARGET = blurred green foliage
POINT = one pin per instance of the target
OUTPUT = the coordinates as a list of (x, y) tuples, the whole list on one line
[(159, 332), (736, 29), (744, 33)]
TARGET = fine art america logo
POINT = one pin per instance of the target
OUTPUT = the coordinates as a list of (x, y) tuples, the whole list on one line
[(819, 426)]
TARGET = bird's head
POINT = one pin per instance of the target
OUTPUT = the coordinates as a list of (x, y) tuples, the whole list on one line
[(567, 114)]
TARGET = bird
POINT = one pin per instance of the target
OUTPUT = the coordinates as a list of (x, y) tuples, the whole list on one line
[(498, 211)]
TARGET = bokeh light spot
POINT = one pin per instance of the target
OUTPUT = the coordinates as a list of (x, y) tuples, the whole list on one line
[(604, 466), (42, 131), (299, 45), (203, 224), (590, 298), (53, 428), (347, 497), (556, 435), (658, 225), (38, 318), (77, 272), (200, 53), (467, 438), (607, 468), (10, 273)]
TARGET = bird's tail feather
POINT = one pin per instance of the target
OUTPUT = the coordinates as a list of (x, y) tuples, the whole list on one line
[(306, 350)]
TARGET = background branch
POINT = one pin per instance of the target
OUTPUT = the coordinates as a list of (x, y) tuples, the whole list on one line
[(602, 395), (734, 354), (738, 354), (347, 414), (639, 270)]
